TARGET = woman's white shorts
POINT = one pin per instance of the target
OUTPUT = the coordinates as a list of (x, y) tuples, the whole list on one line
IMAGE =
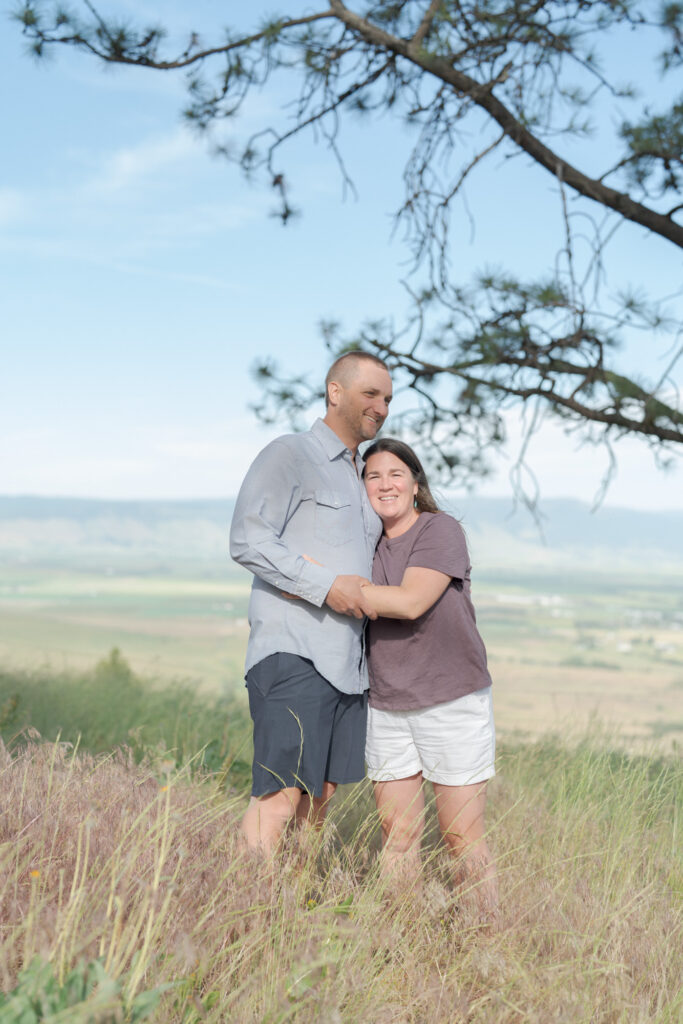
[(453, 744)]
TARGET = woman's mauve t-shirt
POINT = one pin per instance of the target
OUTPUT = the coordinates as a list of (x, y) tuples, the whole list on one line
[(440, 655)]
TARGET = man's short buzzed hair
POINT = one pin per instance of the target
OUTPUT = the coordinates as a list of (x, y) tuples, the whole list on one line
[(344, 369)]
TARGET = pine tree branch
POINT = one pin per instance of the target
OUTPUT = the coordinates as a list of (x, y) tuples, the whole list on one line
[(426, 23), (184, 61), (609, 416), (482, 96)]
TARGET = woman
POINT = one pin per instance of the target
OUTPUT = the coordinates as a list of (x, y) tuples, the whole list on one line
[(430, 711)]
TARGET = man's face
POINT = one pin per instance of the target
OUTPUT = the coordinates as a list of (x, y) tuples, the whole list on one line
[(363, 404)]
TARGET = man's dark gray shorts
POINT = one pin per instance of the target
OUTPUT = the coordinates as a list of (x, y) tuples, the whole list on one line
[(306, 731)]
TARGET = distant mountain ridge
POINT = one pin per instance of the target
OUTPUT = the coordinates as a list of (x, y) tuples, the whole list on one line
[(163, 534), (567, 523), (570, 537), (28, 507), (130, 536)]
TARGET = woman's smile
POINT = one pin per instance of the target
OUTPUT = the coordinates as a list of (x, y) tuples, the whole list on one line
[(391, 490)]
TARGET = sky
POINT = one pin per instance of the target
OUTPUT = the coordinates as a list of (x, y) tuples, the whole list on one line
[(141, 278)]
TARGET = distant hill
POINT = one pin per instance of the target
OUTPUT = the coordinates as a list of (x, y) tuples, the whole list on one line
[(83, 509), (569, 535), (152, 536), (168, 535)]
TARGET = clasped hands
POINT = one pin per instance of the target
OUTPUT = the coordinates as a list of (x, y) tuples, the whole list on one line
[(345, 596)]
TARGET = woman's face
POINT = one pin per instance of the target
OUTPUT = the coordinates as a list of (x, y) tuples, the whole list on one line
[(391, 489)]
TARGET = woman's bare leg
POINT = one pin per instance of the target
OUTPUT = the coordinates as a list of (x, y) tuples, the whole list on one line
[(401, 809), (460, 811)]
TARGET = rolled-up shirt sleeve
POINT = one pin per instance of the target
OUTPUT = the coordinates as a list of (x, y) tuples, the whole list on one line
[(268, 498)]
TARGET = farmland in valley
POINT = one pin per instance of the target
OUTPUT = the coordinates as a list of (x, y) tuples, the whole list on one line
[(571, 635)]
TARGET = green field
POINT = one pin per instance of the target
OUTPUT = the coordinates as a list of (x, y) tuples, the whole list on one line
[(189, 629), (562, 649)]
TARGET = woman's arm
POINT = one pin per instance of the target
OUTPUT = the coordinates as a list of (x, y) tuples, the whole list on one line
[(419, 590)]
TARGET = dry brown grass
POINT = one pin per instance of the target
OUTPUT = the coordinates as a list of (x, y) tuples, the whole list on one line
[(141, 866)]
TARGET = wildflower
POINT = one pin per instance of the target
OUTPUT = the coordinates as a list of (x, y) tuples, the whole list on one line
[(163, 789), (35, 873)]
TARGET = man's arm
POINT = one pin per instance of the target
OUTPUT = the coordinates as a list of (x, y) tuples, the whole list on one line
[(418, 591), (267, 498)]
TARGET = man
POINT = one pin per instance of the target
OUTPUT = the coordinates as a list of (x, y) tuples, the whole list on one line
[(305, 668)]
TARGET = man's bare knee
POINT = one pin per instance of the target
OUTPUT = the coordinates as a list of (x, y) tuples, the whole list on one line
[(282, 805), (267, 817)]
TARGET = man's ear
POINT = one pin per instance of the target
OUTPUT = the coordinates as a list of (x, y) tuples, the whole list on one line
[(334, 391)]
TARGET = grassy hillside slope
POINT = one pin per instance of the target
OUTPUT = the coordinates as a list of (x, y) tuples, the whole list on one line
[(135, 874)]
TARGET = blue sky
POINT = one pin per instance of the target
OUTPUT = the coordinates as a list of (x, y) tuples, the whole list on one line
[(141, 279)]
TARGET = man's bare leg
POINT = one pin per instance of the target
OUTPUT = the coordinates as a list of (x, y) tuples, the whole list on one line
[(312, 813), (267, 817)]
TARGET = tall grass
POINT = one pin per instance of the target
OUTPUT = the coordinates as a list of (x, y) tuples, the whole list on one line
[(110, 705), (135, 872)]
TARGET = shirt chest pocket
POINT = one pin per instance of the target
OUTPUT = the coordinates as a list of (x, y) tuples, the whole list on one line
[(333, 517)]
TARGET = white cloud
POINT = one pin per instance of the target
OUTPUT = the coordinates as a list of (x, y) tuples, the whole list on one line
[(119, 218), (178, 277), (13, 205), (207, 219), (202, 460), (132, 165)]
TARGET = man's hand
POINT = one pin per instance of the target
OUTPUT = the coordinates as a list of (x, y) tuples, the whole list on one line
[(346, 597)]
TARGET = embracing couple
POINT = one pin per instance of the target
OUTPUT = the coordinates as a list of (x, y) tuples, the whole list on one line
[(316, 522)]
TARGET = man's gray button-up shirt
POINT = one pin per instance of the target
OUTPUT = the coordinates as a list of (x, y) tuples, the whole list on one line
[(304, 495)]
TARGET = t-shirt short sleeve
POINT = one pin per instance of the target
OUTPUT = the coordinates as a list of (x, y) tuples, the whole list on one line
[(441, 545)]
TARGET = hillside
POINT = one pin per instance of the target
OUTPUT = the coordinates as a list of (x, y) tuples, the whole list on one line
[(570, 536), (166, 535), (141, 535)]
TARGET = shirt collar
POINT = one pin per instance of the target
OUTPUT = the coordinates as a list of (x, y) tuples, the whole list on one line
[(332, 445)]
